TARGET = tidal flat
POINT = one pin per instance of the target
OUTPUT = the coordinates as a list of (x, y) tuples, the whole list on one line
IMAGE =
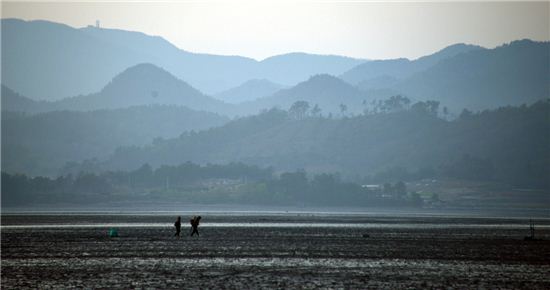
[(238, 251)]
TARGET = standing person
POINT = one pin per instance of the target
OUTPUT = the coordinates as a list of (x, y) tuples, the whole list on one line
[(177, 224), (195, 225)]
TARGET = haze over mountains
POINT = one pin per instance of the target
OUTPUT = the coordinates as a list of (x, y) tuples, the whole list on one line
[(402, 67), (73, 63), (42, 144), (144, 84), (464, 76), (326, 91), (125, 98), (249, 91), (475, 79), (509, 144), (70, 61)]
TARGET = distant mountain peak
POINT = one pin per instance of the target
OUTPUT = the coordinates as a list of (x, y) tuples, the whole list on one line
[(260, 81), (460, 47), (74, 61), (449, 51), (325, 79), (324, 90), (145, 74), (145, 84), (525, 43), (145, 66), (144, 69), (305, 55), (249, 90), (402, 67)]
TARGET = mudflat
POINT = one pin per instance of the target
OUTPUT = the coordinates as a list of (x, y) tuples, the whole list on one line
[(273, 251)]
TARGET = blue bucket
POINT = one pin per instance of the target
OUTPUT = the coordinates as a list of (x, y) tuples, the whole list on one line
[(113, 232)]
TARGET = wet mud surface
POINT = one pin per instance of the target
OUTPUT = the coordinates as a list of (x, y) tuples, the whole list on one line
[(476, 255)]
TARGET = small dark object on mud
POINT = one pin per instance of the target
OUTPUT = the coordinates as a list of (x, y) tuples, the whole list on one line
[(366, 236), (113, 233)]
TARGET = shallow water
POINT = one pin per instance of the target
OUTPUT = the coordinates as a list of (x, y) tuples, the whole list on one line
[(280, 225)]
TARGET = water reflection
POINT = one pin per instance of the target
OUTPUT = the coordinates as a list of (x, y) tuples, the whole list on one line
[(284, 225)]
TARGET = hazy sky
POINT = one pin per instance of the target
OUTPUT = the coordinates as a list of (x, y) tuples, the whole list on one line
[(259, 29)]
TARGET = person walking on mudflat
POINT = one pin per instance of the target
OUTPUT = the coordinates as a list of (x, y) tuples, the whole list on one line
[(177, 224), (195, 225)]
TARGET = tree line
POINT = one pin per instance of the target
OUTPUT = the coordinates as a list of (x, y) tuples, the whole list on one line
[(233, 183), (302, 109)]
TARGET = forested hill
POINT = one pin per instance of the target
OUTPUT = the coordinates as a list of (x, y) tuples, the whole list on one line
[(12, 101), (509, 144), (470, 77), (143, 84), (329, 93), (402, 68), (41, 144)]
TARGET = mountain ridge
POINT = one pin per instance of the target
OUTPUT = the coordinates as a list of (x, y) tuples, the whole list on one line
[(511, 74), (249, 91), (109, 51), (477, 79), (402, 67), (142, 84), (41, 144), (324, 90), (366, 144)]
